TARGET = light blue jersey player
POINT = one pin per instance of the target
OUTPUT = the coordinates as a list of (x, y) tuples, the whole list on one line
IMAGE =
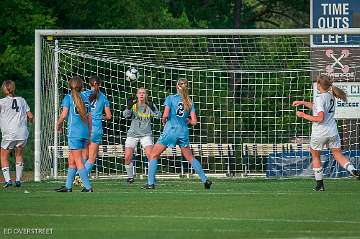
[(76, 110), (77, 127), (99, 105), (176, 131), (178, 108)]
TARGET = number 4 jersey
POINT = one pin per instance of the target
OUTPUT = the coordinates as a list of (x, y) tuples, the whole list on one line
[(178, 117), (324, 102), (13, 118)]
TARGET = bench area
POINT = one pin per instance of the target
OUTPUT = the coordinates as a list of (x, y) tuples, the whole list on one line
[(224, 152), (266, 149), (117, 150)]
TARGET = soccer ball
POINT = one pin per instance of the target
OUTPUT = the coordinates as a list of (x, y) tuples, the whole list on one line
[(132, 74)]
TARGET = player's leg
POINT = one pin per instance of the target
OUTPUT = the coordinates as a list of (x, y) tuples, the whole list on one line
[(335, 146), (19, 151), (316, 145), (153, 160), (130, 144), (318, 170), (85, 156), (186, 152), (147, 144), (344, 162), (5, 163), (77, 154), (70, 174), (93, 149)]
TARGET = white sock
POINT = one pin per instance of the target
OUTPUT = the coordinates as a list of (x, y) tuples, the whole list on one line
[(349, 167), (318, 172), (19, 170), (129, 170), (6, 173)]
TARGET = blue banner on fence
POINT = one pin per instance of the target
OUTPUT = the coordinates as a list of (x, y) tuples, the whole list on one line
[(335, 14), (299, 164)]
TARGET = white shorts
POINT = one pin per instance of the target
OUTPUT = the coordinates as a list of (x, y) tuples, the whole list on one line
[(145, 141), (319, 143), (11, 144)]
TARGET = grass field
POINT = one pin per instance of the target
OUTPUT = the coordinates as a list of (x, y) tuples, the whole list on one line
[(241, 208)]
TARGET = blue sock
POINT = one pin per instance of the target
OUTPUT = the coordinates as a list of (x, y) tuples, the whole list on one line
[(84, 178), (70, 177), (88, 166), (152, 172), (84, 161), (199, 170)]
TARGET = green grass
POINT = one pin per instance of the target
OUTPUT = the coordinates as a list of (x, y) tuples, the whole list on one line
[(241, 208)]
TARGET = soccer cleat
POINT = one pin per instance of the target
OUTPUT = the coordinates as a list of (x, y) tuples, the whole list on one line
[(130, 180), (147, 186), (84, 190), (207, 184), (63, 189), (17, 184), (356, 173), (319, 186), (7, 184)]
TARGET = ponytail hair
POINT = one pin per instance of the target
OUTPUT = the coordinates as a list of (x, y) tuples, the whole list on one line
[(95, 83), (339, 93), (325, 82), (76, 86), (8, 87), (182, 87)]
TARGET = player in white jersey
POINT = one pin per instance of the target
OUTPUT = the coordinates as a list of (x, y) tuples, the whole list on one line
[(324, 129), (14, 114)]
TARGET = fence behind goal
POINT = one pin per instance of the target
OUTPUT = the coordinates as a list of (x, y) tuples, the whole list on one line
[(241, 81)]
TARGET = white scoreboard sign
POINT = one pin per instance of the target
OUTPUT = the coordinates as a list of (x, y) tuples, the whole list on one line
[(351, 108)]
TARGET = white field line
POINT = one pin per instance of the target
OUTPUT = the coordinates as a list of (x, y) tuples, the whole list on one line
[(167, 217)]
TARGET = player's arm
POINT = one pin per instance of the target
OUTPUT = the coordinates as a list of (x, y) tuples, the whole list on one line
[(193, 118), (107, 113), (319, 118), (62, 117), (30, 116), (154, 110), (307, 104), (89, 124), (165, 115), (127, 113)]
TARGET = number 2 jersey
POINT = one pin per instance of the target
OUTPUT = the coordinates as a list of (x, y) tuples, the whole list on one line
[(178, 117), (324, 102), (77, 128), (13, 118)]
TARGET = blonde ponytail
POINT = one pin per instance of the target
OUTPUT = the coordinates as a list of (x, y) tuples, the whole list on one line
[(76, 85), (182, 86), (339, 93), (325, 82)]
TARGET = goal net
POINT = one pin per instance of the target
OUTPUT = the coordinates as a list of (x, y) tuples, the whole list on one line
[(242, 83)]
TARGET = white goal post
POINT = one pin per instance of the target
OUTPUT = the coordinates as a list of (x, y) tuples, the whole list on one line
[(242, 82)]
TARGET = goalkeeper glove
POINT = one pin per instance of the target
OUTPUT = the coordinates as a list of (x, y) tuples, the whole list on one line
[(130, 102)]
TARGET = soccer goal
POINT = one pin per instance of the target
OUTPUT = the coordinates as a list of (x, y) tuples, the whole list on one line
[(241, 81)]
